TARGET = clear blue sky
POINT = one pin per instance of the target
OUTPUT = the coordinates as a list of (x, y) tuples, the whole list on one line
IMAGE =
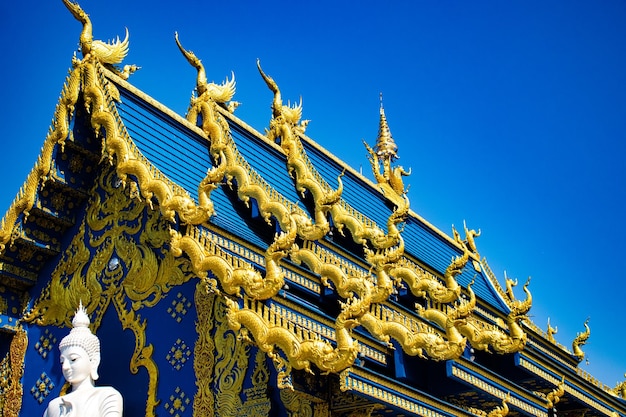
[(511, 114)]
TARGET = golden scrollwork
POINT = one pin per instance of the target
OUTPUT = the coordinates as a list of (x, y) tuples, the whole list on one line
[(112, 219), (142, 353), (297, 403), (232, 356), (204, 357), (580, 339), (257, 401), (11, 389)]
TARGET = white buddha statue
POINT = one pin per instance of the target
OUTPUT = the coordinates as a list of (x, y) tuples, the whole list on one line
[(80, 357)]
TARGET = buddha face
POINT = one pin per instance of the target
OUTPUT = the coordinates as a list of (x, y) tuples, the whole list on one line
[(75, 365)]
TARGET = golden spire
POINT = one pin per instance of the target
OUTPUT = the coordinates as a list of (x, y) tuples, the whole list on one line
[(385, 146), (384, 153)]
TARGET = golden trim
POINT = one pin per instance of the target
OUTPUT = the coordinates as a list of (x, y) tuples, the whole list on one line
[(404, 397), (203, 358), (232, 358), (479, 382), (589, 400), (142, 355), (12, 398)]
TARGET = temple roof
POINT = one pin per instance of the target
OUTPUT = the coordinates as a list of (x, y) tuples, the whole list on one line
[(298, 232)]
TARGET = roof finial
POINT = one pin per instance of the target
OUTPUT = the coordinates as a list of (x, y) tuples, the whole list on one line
[(388, 177), (385, 146)]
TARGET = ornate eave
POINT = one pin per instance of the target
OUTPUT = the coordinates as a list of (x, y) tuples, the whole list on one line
[(487, 386), (578, 392), (398, 397)]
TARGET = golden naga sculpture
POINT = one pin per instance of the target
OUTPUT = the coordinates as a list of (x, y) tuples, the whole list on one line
[(423, 344), (231, 165), (207, 92), (415, 339), (107, 54), (503, 410), (364, 230), (516, 339), (86, 77), (355, 286), (580, 339), (232, 274), (389, 178), (620, 389), (522, 306), (301, 350), (382, 261), (425, 285), (453, 321), (509, 287), (460, 323), (285, 121), (97, 93), (551, 331), (470, 236), (554, 396), (286, 126), (468, 244)]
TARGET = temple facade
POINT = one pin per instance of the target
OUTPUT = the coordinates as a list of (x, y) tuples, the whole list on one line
[(229, 272)]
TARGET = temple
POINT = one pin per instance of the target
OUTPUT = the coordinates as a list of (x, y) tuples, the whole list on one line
[(228, 271)]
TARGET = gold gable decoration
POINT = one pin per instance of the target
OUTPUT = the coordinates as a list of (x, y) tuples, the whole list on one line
[(581, 339), (389, 178)]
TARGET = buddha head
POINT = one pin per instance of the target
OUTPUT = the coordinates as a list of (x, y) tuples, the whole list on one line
[(80, 350)]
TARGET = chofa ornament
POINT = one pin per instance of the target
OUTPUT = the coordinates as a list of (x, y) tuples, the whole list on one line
[(80, 357)]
